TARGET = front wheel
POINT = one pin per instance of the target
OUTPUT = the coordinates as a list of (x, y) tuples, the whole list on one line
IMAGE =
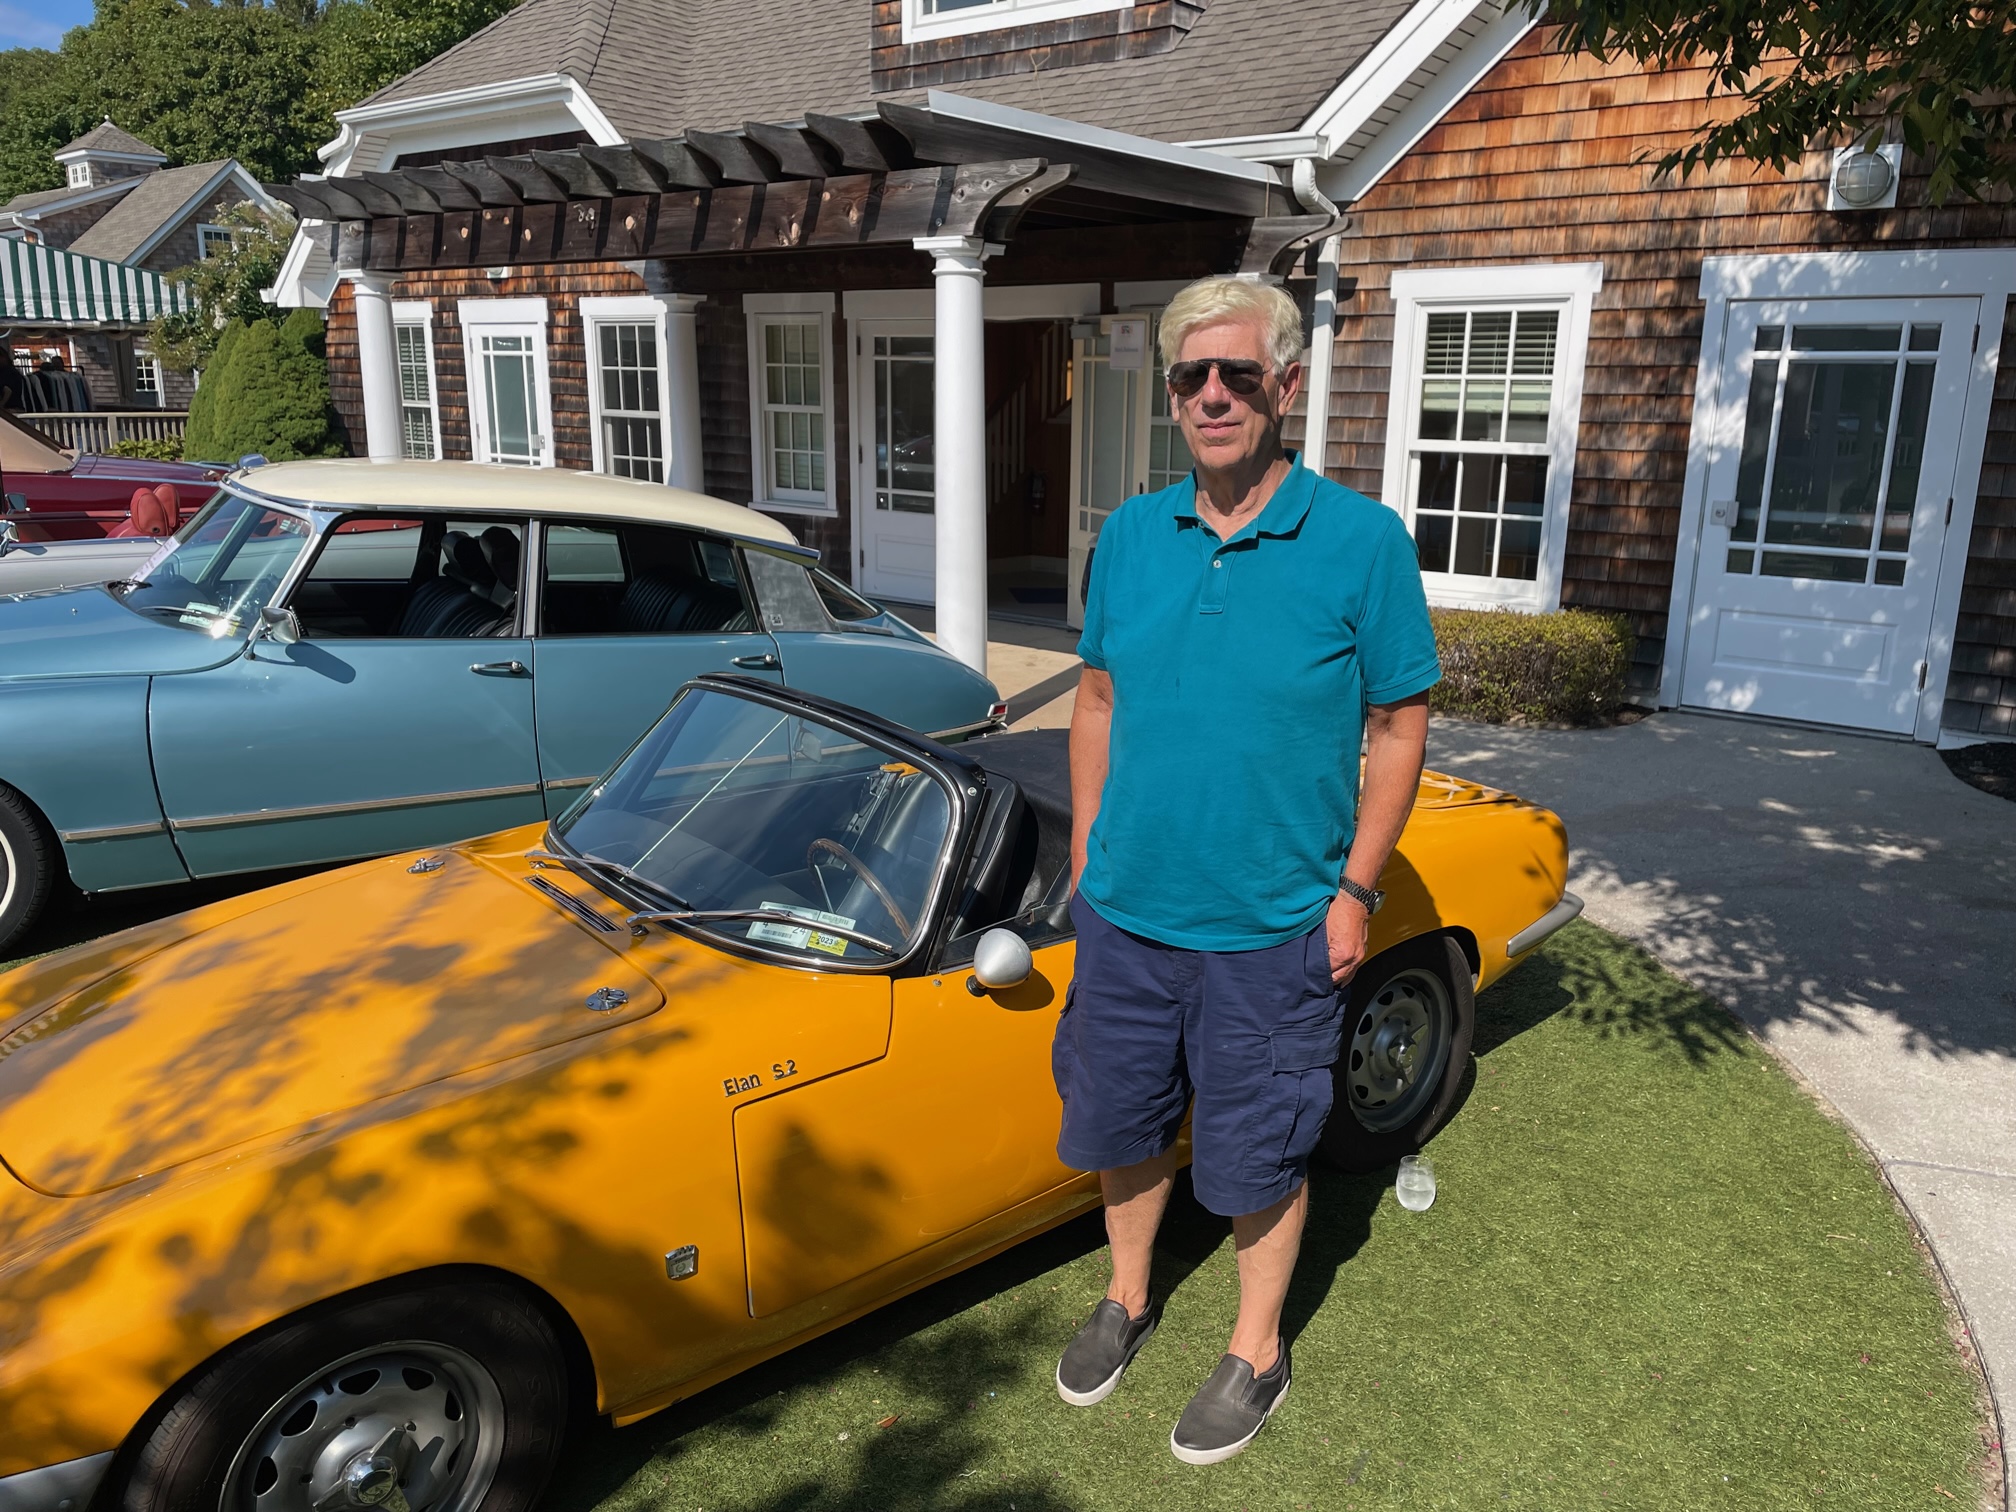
[(1407, 1030), (27, 866), (438, 1398)]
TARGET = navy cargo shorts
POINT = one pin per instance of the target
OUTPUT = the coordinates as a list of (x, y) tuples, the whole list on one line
[(1252, 1034)]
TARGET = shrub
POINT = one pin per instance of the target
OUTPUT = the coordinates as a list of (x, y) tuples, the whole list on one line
[(150, 449), (1499, 665), (266, 391)]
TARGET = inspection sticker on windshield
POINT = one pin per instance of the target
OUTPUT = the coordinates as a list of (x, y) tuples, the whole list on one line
[(803, 939)]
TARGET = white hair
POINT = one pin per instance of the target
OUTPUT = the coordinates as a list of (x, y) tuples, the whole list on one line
[(1212, 301)]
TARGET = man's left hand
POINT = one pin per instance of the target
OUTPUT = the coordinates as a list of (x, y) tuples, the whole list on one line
[(1346, 929)]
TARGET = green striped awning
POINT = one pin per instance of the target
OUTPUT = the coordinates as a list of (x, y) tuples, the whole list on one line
[(43, 286)]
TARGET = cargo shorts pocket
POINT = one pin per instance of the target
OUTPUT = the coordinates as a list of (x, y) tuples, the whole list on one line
[(1307, 1047)]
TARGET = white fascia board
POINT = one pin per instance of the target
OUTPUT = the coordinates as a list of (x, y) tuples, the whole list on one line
[(986, 113), (1274, 148), (301, 283), (1348, 179), (1394, 59), (447, 119)]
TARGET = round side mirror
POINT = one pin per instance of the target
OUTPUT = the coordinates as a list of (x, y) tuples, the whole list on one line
[(1001, 960)]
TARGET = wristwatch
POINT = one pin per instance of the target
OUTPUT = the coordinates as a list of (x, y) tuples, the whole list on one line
[(1371, 897)]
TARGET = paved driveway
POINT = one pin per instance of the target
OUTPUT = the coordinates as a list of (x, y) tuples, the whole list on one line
[(1851, 900)]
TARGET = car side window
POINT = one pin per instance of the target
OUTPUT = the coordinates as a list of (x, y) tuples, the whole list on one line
[(413, 578), (622, 579)]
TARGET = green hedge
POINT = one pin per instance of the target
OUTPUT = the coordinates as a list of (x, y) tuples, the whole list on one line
[(266, 390), (158, 449), (1502, 666)]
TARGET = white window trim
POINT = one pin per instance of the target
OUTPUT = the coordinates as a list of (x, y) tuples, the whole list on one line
[(478, 314), (757, 310), (205, 230), (1988, 272), (1418, 291), (419, 312), (918, 27), (627, 309), (142, 358)]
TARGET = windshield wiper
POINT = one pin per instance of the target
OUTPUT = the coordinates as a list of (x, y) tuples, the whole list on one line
[(616, 868), (637, 921)]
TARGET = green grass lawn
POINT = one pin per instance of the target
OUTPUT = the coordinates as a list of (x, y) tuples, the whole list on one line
[(1656, 1277)]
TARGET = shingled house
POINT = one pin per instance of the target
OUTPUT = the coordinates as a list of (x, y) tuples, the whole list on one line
[(891, 268), (121, 207)]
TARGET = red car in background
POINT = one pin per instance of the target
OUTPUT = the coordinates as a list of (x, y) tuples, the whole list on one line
[(50, 495)]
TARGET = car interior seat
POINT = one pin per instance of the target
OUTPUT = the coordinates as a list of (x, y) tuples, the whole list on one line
[(146, 515), (500, 555), (455, 602)]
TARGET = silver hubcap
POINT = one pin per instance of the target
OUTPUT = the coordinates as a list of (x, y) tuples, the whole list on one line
[(1399, 1048), (399, 1428)]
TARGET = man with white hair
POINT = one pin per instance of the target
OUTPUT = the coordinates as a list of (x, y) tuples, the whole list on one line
[(1246, 632)]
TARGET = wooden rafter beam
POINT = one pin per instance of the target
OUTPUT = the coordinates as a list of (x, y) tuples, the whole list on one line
[(853, 210)]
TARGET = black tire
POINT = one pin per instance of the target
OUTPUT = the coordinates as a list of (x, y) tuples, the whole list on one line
[(1371, 1124), (481, 1346), (27, 866)]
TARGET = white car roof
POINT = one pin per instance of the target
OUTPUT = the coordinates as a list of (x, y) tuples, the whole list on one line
[(489, 488)]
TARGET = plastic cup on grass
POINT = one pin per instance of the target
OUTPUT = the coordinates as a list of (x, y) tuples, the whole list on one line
[(1415, 1185)]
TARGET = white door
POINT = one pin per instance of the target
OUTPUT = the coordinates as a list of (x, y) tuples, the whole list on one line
[(510, 408), (1836, 434), (894, 409), (1124, 442)]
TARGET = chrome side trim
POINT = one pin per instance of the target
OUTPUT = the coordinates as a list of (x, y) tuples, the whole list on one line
[(574, 905), (111, 832), (1548, 923), (319, 810), (569, 782), (54, 1488), (984, 726)]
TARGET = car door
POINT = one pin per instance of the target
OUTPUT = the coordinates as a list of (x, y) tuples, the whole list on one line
[(402, 717), (627, 613)]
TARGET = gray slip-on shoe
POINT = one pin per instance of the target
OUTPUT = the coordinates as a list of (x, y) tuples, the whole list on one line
[(1095, 1360), (1228, 1410)]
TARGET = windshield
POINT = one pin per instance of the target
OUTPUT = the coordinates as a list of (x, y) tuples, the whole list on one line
[(729, 804), (218, 571)]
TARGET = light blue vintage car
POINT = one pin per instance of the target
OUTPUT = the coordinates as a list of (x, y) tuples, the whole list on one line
[(341, 659)]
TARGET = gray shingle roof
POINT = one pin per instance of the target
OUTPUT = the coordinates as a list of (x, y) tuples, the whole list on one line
[(157, 200), (105, 137), (37, 198), (658, 66)]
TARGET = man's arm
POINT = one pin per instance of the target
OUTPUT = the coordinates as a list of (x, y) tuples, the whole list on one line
[(1396, 742), (1091, 737)]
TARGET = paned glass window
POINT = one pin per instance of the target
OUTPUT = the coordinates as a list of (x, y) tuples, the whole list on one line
[(633, 425), (211, 240), (940, 17), (1169, 460), (905, 420), (417, 438), (1481, 446), (793, 390), (147, 379)]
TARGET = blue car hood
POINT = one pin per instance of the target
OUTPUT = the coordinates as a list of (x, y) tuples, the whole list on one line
[(86, 632)]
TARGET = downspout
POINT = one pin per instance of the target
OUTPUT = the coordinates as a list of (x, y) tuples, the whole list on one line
[(1322, 323)]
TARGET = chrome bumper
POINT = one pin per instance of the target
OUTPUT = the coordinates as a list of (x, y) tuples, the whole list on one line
[(55, 1488), (1560, 914)]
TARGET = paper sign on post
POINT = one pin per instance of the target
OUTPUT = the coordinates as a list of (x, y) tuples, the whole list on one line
[(1129, 343)]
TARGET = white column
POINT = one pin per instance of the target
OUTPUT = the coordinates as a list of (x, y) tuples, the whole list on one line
[(959, 429), (377, 366), (682, 396)]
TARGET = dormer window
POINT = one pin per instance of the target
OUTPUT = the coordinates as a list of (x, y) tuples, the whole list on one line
[(211, 240), (926, 19), (80, 175)]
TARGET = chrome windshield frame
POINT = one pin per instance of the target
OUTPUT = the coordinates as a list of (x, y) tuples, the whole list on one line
[(319, 518), (962, 781)]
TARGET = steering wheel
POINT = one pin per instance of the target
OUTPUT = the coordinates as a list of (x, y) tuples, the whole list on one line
[(847, 858)]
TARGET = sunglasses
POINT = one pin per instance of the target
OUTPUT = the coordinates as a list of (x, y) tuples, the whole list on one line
[(1241, 375)]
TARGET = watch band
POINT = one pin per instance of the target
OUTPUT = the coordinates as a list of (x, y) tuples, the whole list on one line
[(1368, 896)]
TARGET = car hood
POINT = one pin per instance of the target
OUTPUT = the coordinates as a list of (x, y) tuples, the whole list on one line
[(86, 632), (160, 1046)]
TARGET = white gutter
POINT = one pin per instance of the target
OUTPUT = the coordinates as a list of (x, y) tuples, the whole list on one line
[(954, 107)]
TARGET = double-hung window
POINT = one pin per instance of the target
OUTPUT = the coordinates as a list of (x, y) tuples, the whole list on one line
[(419, 413), (1480, 454), (627, 340), (791, 400), (926, 19)]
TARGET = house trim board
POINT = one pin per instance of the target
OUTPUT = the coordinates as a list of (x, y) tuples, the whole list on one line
[(1988, 274)]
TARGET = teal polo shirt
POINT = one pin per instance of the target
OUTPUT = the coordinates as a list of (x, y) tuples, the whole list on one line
[(1241, 670)]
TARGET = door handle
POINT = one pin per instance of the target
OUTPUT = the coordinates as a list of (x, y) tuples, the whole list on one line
[(505, 668), (767, 662)]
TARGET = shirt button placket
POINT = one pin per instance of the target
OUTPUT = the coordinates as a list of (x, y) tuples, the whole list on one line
[(1211, 595)]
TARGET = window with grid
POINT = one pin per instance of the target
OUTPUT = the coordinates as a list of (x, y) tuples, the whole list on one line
[(633, 421), (211, 240), (146, 379), (417, 439), (1481, 448), (931, 18), (1169, 458), (793, 388)]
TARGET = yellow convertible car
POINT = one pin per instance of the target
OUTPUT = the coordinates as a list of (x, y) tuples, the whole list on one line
[(351, 1193)]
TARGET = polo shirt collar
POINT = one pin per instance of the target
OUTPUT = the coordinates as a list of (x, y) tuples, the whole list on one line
[(1282, 515)]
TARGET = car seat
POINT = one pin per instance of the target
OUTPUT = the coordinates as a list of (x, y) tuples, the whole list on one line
[(455, 603)]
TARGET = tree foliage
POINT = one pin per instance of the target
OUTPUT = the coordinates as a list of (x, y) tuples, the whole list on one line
[(226, 286), (1809, 73), (266, 390)]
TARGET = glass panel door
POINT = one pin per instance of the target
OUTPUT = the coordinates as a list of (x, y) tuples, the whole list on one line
[(508, 380), (905, 410), (895, 410)]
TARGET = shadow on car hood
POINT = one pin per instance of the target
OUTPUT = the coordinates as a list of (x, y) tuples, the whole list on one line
[(86, 632), (326, 996)]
